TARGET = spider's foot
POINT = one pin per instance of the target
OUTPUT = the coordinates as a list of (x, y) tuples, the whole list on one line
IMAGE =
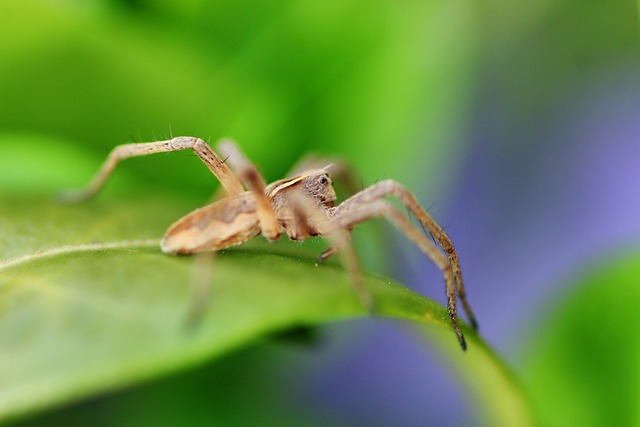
[(326, 254), (462, 341), (459, 334)]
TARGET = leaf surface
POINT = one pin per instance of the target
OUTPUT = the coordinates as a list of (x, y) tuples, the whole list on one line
[(88, 303)]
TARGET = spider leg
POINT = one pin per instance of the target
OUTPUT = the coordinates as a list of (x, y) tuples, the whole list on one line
[(215, 164), (248, 173), (339, 170), (200, 293), (328, 253), (370, 203), (308, 219), (392, 188), (340, 239)]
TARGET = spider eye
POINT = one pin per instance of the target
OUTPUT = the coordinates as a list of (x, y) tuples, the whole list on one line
[(324, 180)]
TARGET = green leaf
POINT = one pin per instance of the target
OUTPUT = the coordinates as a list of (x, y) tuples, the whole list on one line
[(584, 364), (88, 303)]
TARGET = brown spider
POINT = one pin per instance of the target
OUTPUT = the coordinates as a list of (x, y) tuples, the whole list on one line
[(300, 206)]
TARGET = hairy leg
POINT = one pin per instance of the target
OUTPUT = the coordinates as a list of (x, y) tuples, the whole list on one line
[(341, 240), (248, 173), (363, 212), (308, 219), (389, 187), (215, 164)]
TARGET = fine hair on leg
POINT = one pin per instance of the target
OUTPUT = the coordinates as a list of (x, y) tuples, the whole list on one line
[(392, 188), (216, 165), (308, 217), (366, 210), (249, 174)]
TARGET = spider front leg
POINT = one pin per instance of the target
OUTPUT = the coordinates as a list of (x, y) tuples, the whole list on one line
[(370, 203), (392, 188), (340, 239), (308, 218), (215, 164)]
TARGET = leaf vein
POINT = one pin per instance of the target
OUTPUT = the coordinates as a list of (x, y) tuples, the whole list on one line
[(68, 249)]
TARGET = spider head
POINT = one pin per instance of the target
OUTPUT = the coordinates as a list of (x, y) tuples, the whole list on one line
[(318, 186), (314, 185)]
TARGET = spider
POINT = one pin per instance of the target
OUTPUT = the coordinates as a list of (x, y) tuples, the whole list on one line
[(301, 206)]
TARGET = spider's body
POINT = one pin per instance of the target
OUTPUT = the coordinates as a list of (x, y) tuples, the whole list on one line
[(234, 219), (300, 206)]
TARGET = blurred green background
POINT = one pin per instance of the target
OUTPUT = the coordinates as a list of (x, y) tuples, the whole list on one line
[(368, 81), (515, 123)]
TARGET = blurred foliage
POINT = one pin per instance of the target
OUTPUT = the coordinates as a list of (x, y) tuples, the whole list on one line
[(583, 365), (370, 81), (215, 394), (536, 54)]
